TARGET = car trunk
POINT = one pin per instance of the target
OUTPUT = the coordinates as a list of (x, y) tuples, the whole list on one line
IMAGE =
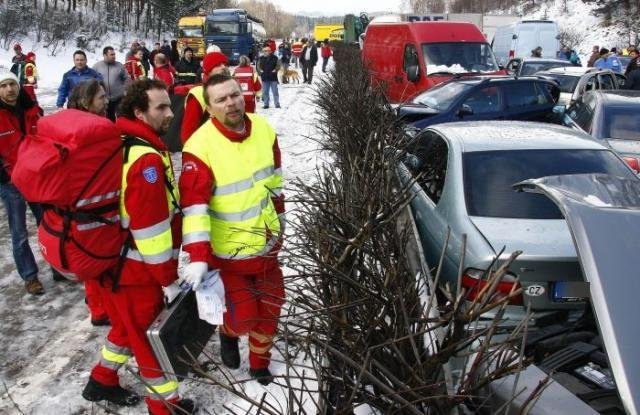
[(548, 267)]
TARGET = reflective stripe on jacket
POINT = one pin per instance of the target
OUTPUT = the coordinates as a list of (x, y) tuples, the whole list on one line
[(154, 243), (240, 220)]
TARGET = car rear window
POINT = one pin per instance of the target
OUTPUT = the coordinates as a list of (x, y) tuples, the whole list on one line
[(489, 176), (567, 83), (529, 68), (442, 96), (622, 123)]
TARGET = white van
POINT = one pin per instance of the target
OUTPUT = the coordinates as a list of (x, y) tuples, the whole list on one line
[(518, 39)]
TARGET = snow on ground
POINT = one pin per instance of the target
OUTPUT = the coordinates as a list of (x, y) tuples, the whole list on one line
[(47, 344)]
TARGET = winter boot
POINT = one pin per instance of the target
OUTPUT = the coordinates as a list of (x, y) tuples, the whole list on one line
[(263, 376), (229, 351), (95, 391)]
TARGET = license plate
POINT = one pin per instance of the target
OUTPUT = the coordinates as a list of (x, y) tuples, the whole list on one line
[(570, 291)]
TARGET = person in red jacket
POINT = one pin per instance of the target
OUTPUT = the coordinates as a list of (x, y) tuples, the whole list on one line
[(195, 112), (249, 83), (325, 52), (148, 212), (296, 51), (236, 228), (163, 70), (18, 117), (31, 76), (134, 66)]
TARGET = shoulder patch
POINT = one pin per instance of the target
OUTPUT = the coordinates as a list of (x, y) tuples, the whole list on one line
[(150, 174)]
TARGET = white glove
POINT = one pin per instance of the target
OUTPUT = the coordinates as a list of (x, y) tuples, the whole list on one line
[(171, 292), (194, 273)]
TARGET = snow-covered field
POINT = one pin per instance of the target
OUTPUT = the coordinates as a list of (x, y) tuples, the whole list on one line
[(47, 344)]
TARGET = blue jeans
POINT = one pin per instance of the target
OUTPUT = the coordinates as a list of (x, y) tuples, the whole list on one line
[(273, 86), (16, 208)]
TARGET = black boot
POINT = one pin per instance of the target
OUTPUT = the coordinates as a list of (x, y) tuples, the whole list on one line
[(56, 276), (263, 376), (183, 407), (229, 351), (95, 391)]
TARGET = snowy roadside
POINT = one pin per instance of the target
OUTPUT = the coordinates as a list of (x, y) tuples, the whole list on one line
[(48, 344)]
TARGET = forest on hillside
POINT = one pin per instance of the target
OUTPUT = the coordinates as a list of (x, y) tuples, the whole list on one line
[(82, 23)]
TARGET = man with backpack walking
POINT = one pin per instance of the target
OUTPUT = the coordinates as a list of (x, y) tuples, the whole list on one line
[(148, 213), (18, 117)]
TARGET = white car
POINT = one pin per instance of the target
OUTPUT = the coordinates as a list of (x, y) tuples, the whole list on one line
[(574, 81)]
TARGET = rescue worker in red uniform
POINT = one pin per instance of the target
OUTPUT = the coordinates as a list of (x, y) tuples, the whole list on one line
[(148, 212), (249, 83), (134, 66), (232, 200), (31, 76), (195, 111)]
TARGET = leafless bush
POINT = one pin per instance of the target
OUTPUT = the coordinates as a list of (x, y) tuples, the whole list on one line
[(58, 27), (570, 37), (11, 26)]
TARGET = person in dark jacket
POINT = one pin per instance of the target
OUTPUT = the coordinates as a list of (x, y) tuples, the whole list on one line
[(80, 72), (188, 69), (174, 55), (145, 57), (308, 59), (166, 48), (633, 74), (268, 67), (285, 59), (595, 55)]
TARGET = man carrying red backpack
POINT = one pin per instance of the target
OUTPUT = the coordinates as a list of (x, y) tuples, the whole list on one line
[(149, 214)]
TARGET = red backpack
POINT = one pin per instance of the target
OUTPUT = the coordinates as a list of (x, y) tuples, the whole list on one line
[(73, 166)]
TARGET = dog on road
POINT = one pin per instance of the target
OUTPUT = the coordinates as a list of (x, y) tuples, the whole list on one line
[(290, 75)]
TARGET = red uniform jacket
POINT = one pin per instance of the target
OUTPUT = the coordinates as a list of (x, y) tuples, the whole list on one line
[(250, 84), (192, 118), (134, 68), (195, 188), (165, 74), (15, 123), (325, 51), (146, 204)]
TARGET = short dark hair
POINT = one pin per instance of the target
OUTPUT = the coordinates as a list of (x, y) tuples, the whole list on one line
[(187, 49), (107, 49), (137, 97), (79, 52), (216, 79), (83, 93)]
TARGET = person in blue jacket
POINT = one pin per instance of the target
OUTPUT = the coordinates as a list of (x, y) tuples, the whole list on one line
[(80, 72), (609, 61)]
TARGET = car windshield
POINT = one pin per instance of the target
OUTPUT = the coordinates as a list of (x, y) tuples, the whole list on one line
[(458, 57), (441, 97), (622, 123), (531, 67), (567, 83), (489, 176), (222, 28), (190, 31)]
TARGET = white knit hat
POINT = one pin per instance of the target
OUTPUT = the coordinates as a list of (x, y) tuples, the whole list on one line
[(4, 76)]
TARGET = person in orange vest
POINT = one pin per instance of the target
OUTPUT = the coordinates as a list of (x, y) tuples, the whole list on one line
[(296, 51), (134, 66), (31, 76), (249, 83), (195, 109)]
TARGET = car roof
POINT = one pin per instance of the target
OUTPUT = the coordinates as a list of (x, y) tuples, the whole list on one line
[(621, 97), (572, 70), (472, 136), (545, 60), (495, 78)]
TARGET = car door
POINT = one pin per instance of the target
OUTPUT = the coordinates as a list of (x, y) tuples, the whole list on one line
[(580, 115), (483, 103), (428, 167), (607, 81), (526, 101)]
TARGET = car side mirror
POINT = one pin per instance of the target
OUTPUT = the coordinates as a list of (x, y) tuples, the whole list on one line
[(464, 110), (413, 73)]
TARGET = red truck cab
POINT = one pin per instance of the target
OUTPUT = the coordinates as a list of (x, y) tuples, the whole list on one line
[(411, 57)]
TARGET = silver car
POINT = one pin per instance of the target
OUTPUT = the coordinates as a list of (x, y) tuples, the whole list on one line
[(462, 177), (575, 81)]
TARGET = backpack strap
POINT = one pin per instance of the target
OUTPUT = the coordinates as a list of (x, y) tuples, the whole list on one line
[(130, 141)]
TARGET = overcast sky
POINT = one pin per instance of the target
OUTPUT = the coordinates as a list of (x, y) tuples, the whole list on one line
[(338, 7)]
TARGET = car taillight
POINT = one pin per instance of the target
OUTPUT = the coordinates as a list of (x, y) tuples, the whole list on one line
[(633, 163), (512, 53), (473, 282)]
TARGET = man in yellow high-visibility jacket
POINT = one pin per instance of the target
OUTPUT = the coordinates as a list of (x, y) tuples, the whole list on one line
[(231, 187)]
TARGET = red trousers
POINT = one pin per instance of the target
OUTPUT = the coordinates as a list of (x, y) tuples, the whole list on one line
[(250, 104), (253, 305), (94, 299), (132, 309)]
